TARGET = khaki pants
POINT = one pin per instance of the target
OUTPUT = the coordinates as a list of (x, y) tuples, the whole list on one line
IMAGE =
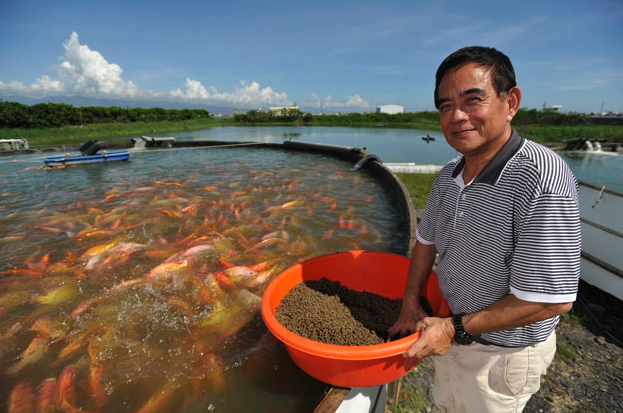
[(479, 379)]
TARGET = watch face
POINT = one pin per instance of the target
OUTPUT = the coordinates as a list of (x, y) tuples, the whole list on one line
[(463, 338), (460, 336)]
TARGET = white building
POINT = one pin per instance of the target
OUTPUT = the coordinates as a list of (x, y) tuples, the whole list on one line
[(391, 109), (283, 110)]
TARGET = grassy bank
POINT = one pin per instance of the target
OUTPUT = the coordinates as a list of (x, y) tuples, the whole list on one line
[(75, 135), (559, 133), (418, 185)]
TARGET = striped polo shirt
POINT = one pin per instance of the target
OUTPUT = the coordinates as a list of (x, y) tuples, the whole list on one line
[(514, 229)]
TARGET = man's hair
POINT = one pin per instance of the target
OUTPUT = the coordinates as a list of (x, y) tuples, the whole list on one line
[(503, 73)]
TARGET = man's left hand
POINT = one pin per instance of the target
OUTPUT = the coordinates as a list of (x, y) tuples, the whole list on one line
[(435, 338)]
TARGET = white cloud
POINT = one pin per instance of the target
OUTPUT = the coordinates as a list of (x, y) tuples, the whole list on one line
[(85, 72), (246, 95), (352, 102)]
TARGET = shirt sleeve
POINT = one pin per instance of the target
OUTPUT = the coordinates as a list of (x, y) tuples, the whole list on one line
[(546, 260)]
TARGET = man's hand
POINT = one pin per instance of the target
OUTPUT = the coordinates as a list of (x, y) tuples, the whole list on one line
[(410, 314), (435, 339)]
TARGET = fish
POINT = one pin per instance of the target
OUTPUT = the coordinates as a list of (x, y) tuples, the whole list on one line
[(98, 249), (22, 399), (298, 201), (167, 269), (166, 399), (191, 252), (46, 396), (31, 355), (224, 281), (208, 374), (57, 295), (268, 242), (95, 384), (240, 274), (66, 392), (48, 327)]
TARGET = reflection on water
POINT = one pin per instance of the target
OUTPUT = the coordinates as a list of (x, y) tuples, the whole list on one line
[(136, 286), (599, 168)]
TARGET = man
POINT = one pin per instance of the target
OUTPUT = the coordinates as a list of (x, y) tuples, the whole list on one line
[(504, 220)]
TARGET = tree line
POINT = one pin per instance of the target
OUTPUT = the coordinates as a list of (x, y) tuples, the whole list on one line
[(52, 115)]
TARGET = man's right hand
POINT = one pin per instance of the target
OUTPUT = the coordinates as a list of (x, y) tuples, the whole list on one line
[(411, 314)]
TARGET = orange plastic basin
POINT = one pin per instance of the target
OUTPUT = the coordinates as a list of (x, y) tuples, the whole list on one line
[(350, 366)]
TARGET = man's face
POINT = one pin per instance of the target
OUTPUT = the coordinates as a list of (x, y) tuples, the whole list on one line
[(474, 119)]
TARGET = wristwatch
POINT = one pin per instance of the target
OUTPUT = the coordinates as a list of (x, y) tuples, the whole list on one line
[(460, 336)]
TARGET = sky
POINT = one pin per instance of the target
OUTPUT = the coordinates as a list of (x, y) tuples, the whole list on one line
[(330, 56)]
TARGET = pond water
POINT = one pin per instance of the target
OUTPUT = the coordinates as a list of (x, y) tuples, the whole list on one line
[(406, 145), (136, 285)]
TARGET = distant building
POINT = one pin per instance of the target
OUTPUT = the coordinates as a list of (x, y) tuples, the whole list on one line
[(283, 110), (391, 109)]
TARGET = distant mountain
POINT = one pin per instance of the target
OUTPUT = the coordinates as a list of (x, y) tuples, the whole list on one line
[(79, 101)]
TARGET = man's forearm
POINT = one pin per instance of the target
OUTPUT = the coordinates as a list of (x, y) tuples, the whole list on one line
[(422, 259), (511, 312)]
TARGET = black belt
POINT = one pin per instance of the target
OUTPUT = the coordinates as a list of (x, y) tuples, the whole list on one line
[(480, 340)]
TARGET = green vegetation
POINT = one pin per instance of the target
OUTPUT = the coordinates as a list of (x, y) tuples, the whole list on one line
[(418, 185), (412, 401), (75, 135), (49, 124), (565, 350), (53, 115)]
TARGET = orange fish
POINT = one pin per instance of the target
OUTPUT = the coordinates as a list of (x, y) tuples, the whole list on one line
[(224, 281), (95, 384), (208, 374), (46, 396), (65, 391), (22, 399), (33, 353), (224, 263), (167, 269)]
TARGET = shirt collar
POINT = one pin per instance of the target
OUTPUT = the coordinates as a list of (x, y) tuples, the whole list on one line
[(493, 170)]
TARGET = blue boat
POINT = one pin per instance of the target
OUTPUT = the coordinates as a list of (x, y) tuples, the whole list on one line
[(89, 154), (104, 156)]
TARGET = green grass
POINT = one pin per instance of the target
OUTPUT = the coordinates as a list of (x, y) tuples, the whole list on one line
[(418, 185), (75, 135), (411, 401), (565, 350), (551, 133)]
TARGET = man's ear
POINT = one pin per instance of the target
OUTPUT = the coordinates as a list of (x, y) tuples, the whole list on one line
[(514, 100)]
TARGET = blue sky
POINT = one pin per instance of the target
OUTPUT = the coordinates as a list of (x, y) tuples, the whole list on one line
[(346, 56)]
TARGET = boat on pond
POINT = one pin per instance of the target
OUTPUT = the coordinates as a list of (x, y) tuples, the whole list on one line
[(104, 156), (89, 153)]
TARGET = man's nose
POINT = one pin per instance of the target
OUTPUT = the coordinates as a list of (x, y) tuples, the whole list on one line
[(458, 114)]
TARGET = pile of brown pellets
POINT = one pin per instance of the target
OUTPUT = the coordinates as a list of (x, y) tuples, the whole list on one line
[(325, 311)]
